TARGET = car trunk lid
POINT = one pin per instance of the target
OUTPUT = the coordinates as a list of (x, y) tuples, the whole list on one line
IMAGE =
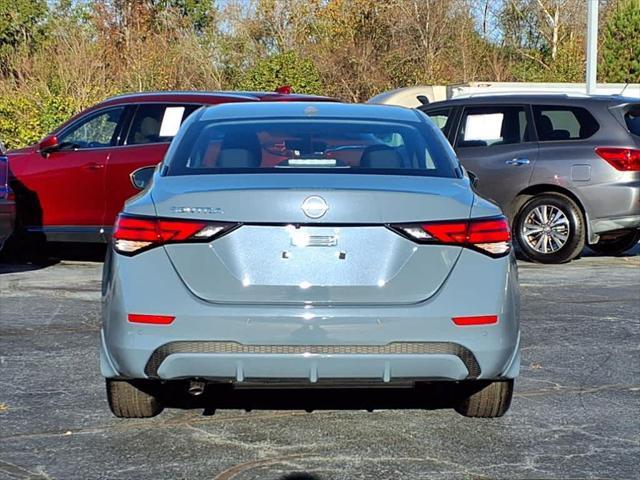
[(345, 255)]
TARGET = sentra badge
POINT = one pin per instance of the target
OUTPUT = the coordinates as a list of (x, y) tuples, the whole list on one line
[(198, 210)]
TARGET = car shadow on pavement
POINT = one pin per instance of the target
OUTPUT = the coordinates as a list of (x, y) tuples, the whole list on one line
[(587, 252), (12, 261), (426, 395), (78, 252)]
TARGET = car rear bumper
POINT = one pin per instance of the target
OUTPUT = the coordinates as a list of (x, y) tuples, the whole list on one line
[(602, 225), (612, 206), (333, 361), (7, 219), (307, 344)]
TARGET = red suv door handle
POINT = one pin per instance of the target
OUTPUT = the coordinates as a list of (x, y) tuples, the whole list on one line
[(93, 166)]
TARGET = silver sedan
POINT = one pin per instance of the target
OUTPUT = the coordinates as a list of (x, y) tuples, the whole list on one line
[(309, 245)]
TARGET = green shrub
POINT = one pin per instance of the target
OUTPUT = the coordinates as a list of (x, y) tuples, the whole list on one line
[(286, 68), (27, 118)]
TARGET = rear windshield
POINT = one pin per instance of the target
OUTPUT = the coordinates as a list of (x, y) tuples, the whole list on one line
[(313, 146), (632, 119)]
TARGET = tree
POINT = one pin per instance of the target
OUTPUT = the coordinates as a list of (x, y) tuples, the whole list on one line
[(286, 68), (200, 13), (277, 26), (350, 40), (21, 24), (544, 38), (621, 43), (542, 24)]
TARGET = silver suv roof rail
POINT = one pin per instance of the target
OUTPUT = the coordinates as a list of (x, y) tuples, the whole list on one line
[(522, 93)]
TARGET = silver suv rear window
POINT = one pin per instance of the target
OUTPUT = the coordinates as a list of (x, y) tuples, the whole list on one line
[(632, 119), (558, 122)]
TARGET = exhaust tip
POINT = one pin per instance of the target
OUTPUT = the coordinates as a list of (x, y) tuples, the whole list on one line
[(196, 388)]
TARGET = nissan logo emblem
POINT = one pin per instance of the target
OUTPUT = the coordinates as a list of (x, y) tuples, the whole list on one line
[(314, 206)]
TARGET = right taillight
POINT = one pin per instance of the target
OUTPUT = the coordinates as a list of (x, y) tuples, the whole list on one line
[(491, 236), (134, 234), (623, 159)]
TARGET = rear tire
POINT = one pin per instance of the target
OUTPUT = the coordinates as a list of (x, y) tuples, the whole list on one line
[(618, 244), (490, 402), (127, 400), (550, 228)]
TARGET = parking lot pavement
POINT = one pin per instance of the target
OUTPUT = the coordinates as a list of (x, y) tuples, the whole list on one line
[(574, 415)]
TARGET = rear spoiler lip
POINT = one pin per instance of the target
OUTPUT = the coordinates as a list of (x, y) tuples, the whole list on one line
[(618, 109)]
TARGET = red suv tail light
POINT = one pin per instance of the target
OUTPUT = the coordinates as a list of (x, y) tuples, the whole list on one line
[(623, 159), (491, 236), (133, 234), (284, 89)]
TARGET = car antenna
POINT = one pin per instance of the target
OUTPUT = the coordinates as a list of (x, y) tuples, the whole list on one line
[(624, 88), (423, 99)]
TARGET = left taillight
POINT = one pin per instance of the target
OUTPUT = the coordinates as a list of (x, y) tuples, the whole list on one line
[(491, 236), (134, 234)]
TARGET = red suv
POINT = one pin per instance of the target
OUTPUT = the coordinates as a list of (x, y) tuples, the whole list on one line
[(71, 185)]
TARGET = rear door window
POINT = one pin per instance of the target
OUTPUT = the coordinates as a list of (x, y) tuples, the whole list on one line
[(157, 123), (442, 118), (632, 119), (555, 123), (489, 126)]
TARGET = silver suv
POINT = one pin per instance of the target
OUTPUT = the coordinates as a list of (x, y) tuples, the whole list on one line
[(565, 169)]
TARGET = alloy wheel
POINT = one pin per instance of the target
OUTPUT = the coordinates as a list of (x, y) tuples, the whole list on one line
[(546, 229)]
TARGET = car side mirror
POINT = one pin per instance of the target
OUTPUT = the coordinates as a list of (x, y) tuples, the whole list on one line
[(3, 150), (473, 178), (141, 177), (48, 144)]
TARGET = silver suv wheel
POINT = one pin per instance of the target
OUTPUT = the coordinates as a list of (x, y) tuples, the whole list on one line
[(546, 229), (549, 228)]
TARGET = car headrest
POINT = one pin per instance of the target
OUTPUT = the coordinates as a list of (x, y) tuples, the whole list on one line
[(241, 140), (546, 126), (380, 156), (248, 142), (237, 158), (510, 130), (149, 128)]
